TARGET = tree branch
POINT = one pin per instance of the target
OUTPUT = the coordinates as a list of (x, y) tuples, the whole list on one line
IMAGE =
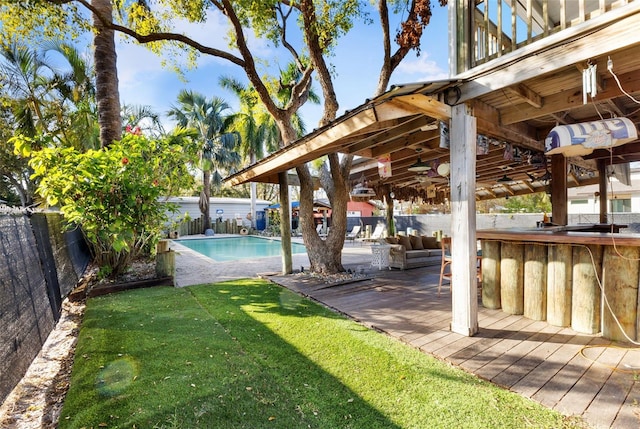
[(318, 62), (249, 64), (283, 36), (157, 37)]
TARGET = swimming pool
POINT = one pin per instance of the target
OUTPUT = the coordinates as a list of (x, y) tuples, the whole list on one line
[(235, 248)]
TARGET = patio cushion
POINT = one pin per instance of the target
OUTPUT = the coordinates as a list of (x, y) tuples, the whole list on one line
[(429, 242), (405, 241), (414, 254), (416, 242), (392, 240)]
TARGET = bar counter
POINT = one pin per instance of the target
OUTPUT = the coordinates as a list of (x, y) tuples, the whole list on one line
[(558, 274)]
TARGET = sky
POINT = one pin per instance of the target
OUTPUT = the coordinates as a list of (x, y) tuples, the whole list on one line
[(358, 57)]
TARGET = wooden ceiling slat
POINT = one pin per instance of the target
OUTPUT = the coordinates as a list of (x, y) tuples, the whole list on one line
[(567, 99)]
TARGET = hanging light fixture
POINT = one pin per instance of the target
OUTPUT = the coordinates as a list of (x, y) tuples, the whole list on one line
[(444, 169), (419, 166), (505, 179)]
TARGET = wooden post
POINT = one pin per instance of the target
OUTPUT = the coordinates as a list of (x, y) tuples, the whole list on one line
[(491, 274), (535, 282), (620, 279), (162, 246), (602, 190), (559, 285), (586, 296), (512, 277), (464, 283), (559, 189), (285, 223), (166, 264)]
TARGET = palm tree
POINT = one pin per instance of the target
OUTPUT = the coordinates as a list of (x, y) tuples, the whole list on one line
[(142, 117), (23, 75), (105, 58), (50, 104), (77, 111), (257, 129), (217, 153)]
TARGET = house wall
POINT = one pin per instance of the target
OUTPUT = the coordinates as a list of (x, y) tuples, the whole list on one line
[(583, 200), (364, 208), (231, 207)]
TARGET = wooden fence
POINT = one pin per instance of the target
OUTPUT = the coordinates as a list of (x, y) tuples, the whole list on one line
[(196, 226)]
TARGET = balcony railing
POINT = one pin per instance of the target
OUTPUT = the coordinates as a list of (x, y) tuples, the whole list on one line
[(503, 26)]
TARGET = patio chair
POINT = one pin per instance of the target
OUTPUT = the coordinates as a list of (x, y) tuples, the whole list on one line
[(319, 231), (353, 234), (378, 234), (445, 245)]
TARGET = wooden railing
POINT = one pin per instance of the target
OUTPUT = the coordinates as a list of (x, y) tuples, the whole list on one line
[(502, 26)]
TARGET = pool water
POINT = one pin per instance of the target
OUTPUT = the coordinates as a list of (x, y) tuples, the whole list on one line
[(235, 248)]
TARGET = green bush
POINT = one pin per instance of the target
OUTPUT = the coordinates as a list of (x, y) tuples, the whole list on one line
[(115, 193)]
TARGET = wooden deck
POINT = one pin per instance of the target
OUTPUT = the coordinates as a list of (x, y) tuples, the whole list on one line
[(574, 373)]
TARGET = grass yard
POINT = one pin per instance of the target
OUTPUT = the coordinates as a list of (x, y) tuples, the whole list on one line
[(250, 354)]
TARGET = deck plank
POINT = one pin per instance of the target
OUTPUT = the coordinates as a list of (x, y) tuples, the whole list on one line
[(532, 358), (579, 398)]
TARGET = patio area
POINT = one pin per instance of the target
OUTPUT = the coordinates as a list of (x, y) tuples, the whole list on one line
[(574, 373)]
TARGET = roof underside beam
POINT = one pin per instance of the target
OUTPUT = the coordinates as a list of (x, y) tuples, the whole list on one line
[(339, 136)]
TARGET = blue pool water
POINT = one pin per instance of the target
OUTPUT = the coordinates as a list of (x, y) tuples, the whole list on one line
[(234, 248)]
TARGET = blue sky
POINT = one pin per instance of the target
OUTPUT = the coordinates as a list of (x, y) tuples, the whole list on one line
[(144, 81)]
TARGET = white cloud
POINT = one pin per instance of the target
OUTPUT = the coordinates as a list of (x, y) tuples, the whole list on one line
[(422, 69)]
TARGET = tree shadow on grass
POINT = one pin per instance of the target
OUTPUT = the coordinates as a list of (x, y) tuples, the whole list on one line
[(252, 354), (148, 362)]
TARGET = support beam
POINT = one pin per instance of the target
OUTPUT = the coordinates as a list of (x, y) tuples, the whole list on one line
[(464, 284), (559, 189), (285, 224), (526, 94), (602, 188), (569, 99)]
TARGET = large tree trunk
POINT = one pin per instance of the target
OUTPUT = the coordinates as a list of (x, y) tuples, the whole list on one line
[(325, 256), (105, 59)]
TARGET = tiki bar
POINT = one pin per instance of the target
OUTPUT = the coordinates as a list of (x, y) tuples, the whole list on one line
[(542, 97)]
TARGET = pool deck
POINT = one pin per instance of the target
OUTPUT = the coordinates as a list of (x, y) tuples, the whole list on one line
[(194, 268), (576, 374)]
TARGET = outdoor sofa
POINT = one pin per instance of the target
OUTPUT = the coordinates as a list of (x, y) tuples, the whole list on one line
[(413, 251)]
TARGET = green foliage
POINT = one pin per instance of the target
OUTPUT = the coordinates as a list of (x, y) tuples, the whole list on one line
[(533, 203), (250, 354), (32, 21), (114, 193)]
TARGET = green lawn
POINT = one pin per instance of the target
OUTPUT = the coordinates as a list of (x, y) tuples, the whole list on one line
[(249, 354)]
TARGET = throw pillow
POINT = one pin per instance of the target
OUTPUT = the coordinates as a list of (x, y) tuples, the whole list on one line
[(416, 242), (405, 241), (429, 242), (392, 240)]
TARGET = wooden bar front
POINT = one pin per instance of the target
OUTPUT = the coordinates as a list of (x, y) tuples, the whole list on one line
[(560, 276)]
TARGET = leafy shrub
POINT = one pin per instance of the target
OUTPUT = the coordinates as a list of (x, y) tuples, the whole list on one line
[(115, 193)]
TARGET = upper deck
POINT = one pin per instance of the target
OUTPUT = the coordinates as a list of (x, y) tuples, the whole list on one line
[(498, 27)]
